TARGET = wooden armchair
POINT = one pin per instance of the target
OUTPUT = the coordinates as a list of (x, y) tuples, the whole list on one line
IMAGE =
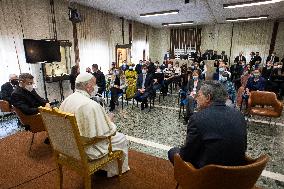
[(264, 103), (32, 123), (68, 146), (218, 177)]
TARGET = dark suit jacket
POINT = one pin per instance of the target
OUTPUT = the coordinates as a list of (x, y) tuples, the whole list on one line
[(215, 135), (237, 59), (6, 91), (148, 82), (27, 102), (257, 58), (276, 59), (256, 86), (101, 81), (190, 85), (267, 73), (124, 67), (223, 57), (138, 68)]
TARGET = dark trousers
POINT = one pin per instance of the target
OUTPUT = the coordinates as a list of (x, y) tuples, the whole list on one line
[(189, 107), (142, 97), (114, 96), (172, 152), (165, 87)]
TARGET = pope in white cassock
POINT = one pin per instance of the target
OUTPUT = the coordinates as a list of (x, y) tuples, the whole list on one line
[(93, 121)]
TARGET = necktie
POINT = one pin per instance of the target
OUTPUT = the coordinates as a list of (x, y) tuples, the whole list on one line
[(272, 59)]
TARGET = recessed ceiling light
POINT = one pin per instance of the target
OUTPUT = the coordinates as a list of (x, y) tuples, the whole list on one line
[(178, 23), (249, 3), (247, 18), (163, 13)]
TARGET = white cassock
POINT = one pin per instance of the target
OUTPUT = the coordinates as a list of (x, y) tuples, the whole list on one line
[(93, 121)]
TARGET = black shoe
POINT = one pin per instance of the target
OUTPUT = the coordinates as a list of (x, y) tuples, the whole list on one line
[(46, 141), (142, 106), (146, 105), (101, 173)]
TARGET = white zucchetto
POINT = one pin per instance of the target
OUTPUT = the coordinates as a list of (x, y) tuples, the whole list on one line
[(83, 77)]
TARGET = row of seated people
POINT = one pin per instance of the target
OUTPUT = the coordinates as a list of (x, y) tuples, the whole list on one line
[(151, 79), (272, 76)]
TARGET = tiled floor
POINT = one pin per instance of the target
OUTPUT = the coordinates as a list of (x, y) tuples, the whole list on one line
[(162, 127)]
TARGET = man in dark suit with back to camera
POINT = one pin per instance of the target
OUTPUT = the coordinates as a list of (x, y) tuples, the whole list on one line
[(216, 134)]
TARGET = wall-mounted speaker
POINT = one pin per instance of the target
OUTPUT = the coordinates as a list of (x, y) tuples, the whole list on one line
[(186, 1), (74, 15)]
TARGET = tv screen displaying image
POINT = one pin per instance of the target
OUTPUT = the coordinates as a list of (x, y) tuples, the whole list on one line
[(42, 51)]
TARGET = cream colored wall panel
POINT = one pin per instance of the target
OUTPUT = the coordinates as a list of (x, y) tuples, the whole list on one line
[(279, 45), (249, 37)]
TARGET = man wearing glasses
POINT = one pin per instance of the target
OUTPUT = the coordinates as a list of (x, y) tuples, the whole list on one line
[(25, 98)]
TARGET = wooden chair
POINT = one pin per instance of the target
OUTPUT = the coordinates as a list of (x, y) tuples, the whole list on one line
[(264, 103), (5, 106), (218, 177), (68, 146), (32, 123), (5, 109)]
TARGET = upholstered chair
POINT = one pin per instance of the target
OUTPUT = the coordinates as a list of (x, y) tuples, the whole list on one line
[(32, 123), (218, 177), (264, 103)]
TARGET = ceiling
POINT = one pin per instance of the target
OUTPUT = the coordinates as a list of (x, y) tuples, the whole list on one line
[(200, 11)]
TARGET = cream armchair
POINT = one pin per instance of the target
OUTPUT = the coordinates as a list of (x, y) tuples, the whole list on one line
[(68, 146)]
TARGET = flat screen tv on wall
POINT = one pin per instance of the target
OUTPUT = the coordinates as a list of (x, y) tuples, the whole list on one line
[(42, 51)]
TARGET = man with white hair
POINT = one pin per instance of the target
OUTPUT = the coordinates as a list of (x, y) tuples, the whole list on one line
[(8, 87), (93, 121)]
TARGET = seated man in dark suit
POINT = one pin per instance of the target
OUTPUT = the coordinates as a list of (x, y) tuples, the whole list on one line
[(193, 87), (254, 83), (144, 87), (223, 56), (158, 79), (273, 58), (240, 58), (25, 98), (257, 60), (216, 134), (8, 88), (100, 78)]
